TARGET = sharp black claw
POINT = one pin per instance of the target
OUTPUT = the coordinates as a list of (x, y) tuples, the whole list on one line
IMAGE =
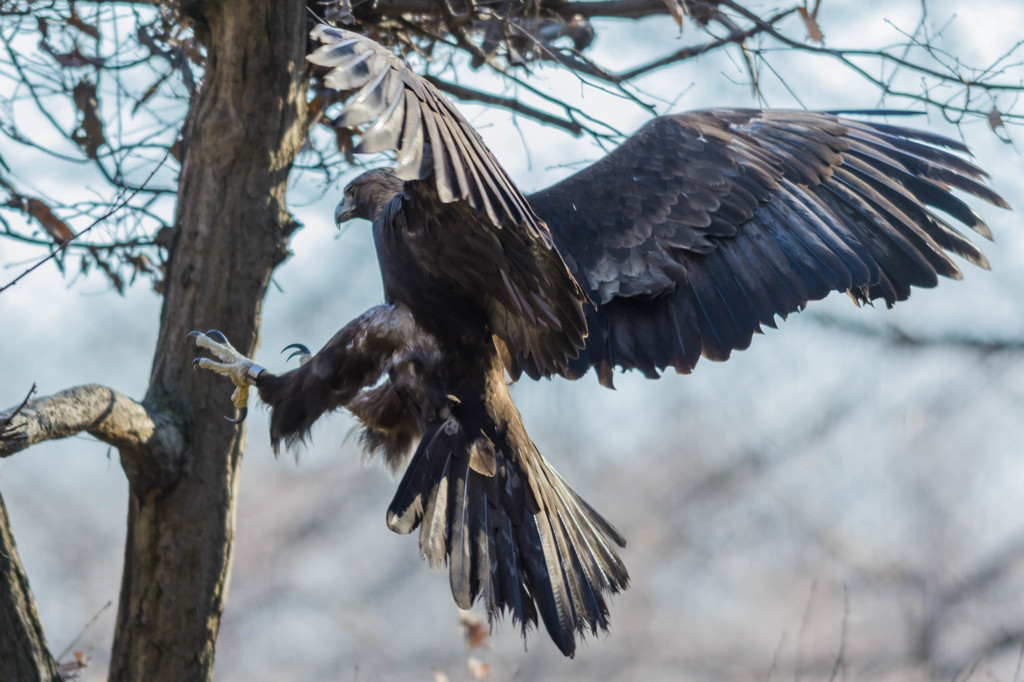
[(192, 335), (217, 336), (195, 364), (301, 349), (241, 415)]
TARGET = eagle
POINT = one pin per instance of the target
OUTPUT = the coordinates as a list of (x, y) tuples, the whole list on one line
[(689, 238)]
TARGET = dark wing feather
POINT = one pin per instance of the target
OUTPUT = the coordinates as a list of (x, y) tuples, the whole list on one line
[(704, 226), (512, 531), (469, 203)]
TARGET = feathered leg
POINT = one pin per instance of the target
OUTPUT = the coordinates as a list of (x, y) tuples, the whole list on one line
[(354, 359), (512, 531)]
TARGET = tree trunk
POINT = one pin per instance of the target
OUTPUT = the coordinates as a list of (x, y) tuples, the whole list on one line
[(231, 230), (23, 652)]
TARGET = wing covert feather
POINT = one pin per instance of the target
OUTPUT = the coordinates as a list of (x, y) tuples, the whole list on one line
[(478, 234), (704, 226)]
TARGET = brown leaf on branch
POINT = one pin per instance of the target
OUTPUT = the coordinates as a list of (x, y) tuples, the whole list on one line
[(89, 134), (478, 670), (316, 107), (77, 22), (474, 629), (140, 262), (69, 669), (995, 120), (676, 9), (345, 144), (811, 22), (41, 212), (115, 279), (54, 226), (73, 59)]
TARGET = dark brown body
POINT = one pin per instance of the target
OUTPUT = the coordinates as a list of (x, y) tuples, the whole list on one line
[(483, 497)]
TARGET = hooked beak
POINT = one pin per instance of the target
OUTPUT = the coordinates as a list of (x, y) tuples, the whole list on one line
[(345, 211)]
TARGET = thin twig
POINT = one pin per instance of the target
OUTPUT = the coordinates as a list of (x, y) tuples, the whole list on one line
[(804, 622), (841, 655), (120, 202), (6, 422), (88, 625), (468, 94)]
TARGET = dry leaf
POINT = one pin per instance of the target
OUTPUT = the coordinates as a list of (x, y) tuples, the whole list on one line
[(474, 629), (811, 22), (675, 8), (73, 59), (315, 109), (343, 137), (478, 670), (115, 279), (76, 21), (89, 134), (54, 226), (995, 119), (71, 668)]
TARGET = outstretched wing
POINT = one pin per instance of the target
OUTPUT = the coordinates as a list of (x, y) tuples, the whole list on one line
[(704, 226), (482, 228)]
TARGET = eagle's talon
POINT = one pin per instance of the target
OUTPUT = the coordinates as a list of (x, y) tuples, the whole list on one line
[(241, 416), (192, 335), (301, 350), (230, 363)]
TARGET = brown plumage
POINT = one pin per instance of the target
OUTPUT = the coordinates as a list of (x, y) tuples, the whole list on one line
[(698, 230)]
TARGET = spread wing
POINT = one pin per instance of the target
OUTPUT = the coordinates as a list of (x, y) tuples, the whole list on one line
[(704, 226), (501, 254)]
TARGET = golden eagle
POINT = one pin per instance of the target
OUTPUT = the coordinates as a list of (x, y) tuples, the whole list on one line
[(683, 242)]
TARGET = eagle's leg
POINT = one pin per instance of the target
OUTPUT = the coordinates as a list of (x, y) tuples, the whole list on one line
[(241, 370)]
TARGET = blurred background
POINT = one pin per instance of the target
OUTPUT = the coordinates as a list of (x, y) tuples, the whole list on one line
[(832, 503)]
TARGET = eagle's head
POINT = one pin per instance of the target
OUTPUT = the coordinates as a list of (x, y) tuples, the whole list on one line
[(367, 195)]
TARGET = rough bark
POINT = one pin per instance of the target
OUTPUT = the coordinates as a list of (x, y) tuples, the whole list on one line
[(24, 655), (241, 136), (145, 437)]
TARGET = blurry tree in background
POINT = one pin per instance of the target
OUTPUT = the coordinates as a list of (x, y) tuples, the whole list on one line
[(197, 116)]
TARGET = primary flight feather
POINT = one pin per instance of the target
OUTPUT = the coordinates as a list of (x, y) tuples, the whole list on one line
[(699, 229)]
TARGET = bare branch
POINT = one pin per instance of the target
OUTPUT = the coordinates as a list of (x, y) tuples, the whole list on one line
[(615, 9), (120, 202), (468, 94), (900, 337), (5, 422), (103, 413), (735, 36)]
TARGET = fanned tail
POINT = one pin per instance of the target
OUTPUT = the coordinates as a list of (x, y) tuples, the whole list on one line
[(512, 531)]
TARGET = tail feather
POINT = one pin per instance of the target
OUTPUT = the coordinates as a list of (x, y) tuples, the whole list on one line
[(512, 531)]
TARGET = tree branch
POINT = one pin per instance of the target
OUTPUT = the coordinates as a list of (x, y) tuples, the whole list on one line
[(149, 441), (514, 105), (617, 9), (899, 337)]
